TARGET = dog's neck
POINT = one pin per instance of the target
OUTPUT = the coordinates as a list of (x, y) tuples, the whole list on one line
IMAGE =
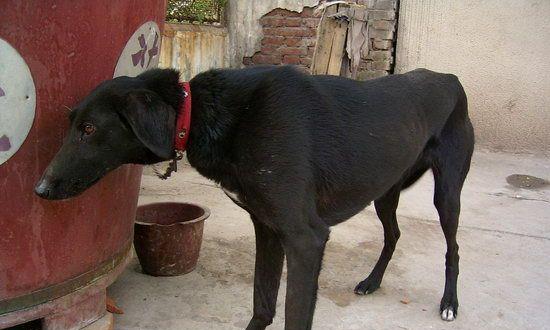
[(215, 116)]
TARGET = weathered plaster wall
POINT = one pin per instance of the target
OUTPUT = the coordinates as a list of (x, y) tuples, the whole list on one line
[(500, 51), (243, 24)]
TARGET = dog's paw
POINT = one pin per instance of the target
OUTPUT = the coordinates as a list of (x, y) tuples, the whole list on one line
[(448, 309), (448, 314), (367, 286)]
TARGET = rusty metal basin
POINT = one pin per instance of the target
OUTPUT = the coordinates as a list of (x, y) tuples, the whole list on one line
[(168, 237)]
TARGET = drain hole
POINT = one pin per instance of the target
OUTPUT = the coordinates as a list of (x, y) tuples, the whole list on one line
[(525, 181)]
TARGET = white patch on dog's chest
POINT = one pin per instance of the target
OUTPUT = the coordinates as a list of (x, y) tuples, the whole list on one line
[(233, 195)]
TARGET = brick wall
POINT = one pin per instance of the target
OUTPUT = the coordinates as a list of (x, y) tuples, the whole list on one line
[(289, 38), (378, 54)]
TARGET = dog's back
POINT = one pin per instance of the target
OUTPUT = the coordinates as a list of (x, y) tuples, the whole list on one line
[(351, 140)]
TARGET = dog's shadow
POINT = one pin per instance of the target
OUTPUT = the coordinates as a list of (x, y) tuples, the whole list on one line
[(229, 261)]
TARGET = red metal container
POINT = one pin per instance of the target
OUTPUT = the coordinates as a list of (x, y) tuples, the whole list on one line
[(56, 258)]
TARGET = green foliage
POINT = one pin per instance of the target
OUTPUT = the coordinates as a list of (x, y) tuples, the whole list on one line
[(210, 11)]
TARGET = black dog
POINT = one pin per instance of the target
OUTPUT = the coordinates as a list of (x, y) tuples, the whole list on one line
[(300, 153)]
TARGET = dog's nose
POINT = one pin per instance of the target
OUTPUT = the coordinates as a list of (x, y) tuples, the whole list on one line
[(43, 187)]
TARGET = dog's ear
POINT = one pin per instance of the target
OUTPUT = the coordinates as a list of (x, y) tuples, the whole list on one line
[(164, 82), (152, 121)]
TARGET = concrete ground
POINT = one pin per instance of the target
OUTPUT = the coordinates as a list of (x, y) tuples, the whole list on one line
[(504, 239)]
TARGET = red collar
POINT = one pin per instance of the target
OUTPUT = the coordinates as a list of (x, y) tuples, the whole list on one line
[(183, 121)]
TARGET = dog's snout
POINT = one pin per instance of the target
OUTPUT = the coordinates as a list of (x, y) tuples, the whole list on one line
[(43, 187)]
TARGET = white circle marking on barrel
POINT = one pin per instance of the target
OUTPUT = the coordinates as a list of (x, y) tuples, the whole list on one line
[(17, 101), (141, 52)]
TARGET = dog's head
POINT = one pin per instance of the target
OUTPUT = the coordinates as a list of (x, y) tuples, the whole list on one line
[(124, 120)]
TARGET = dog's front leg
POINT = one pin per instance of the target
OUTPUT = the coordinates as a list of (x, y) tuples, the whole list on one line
[(267, 277), (304, 251)]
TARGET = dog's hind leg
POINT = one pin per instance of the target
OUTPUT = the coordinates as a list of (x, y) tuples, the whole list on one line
[(269, 265), (448, 185), (385, 209), (451, 164)]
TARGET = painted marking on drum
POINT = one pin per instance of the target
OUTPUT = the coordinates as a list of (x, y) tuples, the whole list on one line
[(141, 52), (5, 143), (154, 50), (139, 57)]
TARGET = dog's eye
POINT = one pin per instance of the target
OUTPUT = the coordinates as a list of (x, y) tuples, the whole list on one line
[(88, 129)]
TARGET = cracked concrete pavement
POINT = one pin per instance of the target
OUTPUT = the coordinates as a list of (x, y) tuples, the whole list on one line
[(504, 239)]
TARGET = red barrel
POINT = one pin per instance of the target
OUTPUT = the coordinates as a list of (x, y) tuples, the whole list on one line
[(58, 255)]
